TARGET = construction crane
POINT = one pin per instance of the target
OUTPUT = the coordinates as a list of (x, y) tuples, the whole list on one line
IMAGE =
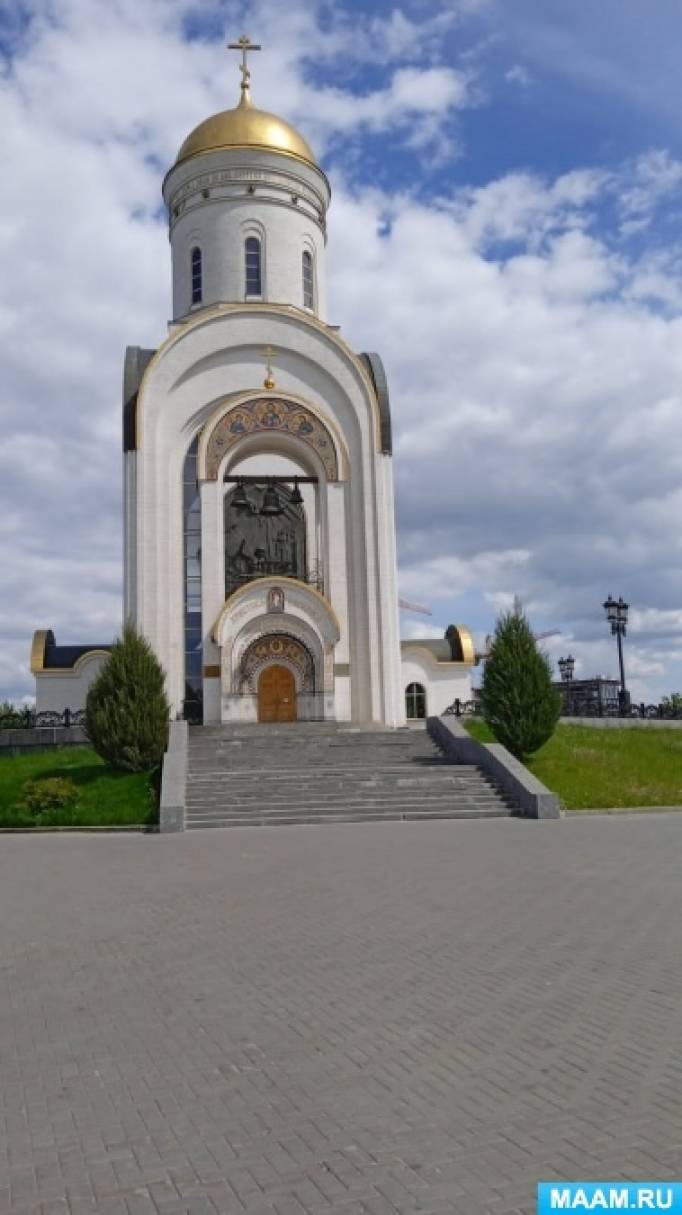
[(414, 607)]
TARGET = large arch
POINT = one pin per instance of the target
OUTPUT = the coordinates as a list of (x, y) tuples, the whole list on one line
[(273, 415)]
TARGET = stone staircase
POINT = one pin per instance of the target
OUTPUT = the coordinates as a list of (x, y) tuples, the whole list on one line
[(320, 772)]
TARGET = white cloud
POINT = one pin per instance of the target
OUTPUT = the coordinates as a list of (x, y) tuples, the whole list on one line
[(447, 576), (524, 207), (654, 176), (413, 96), (518, 74)]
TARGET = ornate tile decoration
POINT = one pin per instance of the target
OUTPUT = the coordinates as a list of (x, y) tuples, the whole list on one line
[(277, 648), (270, 414)]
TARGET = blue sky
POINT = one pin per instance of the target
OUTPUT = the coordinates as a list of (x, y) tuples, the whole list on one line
[(504, 230)]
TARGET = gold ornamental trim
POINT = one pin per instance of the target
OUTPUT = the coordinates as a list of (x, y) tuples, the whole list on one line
[(262, 416), (467, 643), (38, 647)]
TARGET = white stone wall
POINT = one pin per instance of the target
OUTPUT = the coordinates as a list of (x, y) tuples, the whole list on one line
[(443, 681), (57, 690), (219, 199)]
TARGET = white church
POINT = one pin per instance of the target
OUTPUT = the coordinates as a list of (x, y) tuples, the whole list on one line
[(259, 533)]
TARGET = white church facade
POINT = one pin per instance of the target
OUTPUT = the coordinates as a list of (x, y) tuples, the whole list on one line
[(259, 535)]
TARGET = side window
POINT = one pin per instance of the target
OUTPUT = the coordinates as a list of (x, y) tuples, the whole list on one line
[(254, 277), (308, 280), (197, 286), (415, 701)]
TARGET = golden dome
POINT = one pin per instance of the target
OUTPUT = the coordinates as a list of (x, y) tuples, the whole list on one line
[(245, 127)]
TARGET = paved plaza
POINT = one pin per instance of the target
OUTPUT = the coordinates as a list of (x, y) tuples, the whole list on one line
[(356, 1019)]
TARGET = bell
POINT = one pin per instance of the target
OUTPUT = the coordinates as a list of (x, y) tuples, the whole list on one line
[(271, 503), (239, 497), (296, 497)]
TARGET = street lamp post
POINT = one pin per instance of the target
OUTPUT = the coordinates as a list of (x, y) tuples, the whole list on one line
[(617, 616), (566, 666)]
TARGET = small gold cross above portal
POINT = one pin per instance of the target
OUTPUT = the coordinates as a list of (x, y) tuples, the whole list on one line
[(245, 45), (269, 381)]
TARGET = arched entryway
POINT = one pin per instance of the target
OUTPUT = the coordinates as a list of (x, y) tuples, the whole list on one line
[(277, 622), (276, 694)]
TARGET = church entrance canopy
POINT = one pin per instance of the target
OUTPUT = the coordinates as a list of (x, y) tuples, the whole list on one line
[(276, 622)]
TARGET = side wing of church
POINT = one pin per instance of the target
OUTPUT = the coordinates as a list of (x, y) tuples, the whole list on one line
[(259, 535)]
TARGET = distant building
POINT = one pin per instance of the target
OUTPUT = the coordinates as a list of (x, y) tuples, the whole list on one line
[(597, 696)]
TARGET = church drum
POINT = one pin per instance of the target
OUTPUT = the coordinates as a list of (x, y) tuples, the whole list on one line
[(276, 695)]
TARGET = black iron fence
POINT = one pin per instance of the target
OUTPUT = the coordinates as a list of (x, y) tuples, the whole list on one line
[(463, 708), (582, 708), (661, 712), (28, 719)]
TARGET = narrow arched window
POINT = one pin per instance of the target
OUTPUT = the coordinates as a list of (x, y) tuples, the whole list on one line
[(308, 280), (415, 701), (197, 286), (254, 277)]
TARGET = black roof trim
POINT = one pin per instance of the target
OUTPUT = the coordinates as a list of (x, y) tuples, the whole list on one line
[(377, 375), (66, 656), (136, 363)]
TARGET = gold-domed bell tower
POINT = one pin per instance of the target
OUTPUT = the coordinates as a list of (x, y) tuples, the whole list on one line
[(247, 204)]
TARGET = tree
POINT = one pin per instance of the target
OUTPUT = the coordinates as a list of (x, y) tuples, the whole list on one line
[(519, 702), (126, 711)]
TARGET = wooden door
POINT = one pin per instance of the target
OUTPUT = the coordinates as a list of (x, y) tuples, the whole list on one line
[(276, 695)]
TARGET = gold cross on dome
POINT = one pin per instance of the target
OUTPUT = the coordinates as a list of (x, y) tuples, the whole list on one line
[(244, 44)]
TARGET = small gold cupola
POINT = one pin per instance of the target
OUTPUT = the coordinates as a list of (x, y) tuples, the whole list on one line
[(245, 126)]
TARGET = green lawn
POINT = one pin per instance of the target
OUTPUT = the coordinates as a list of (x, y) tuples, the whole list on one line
[(105, 798), (589, 768)]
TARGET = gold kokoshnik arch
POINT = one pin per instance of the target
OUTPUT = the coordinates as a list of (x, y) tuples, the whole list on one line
[(270, 415)]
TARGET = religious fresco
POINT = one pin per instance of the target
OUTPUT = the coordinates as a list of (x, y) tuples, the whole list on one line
[(270, 414), (265, 534)]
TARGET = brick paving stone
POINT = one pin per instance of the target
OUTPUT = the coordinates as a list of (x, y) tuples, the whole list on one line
[(406, 1019)]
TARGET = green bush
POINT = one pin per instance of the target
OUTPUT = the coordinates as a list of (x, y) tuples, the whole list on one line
[(126, 711), (518, 700), (53, 793), (10, 715)]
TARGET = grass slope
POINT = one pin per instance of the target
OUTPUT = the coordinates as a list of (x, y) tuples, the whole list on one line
[(589, 768), (106, 798)]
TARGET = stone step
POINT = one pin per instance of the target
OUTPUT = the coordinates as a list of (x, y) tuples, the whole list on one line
[(399, 814), (243, 780), (295, 805), (315, 763), (434, 775), (354, 796), (322, 754), (364, 780)]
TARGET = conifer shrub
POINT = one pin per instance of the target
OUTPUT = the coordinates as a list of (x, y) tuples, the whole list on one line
[(126, 711), (518, 700)]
